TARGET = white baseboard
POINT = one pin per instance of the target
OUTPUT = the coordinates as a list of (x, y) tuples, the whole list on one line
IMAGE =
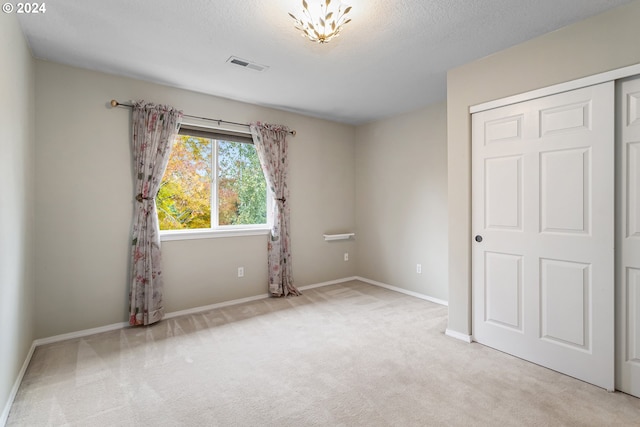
[(402, 291), (331, 282), (16, 385), (202, 308), (457, 335), (248, 299), (80, 334)]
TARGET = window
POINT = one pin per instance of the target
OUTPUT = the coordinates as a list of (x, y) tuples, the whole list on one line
[(213, 181)]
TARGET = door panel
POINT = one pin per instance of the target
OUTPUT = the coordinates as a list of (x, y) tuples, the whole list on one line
[(628, 242), (633, 310), (503, 289), (543, 273), (504, 193), (565, 289), (565, 118), (564, 192), (633, 190), (503, 129)]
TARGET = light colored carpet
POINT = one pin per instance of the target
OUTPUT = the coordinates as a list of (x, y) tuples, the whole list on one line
[(342, 355)]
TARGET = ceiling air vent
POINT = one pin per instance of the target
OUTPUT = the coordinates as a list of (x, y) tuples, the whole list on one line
[(246, 64)]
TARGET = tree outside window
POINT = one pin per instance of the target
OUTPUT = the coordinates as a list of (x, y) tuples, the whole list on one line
[(209, 175)]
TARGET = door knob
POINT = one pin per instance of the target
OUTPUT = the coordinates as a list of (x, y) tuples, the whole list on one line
[(478, 238)]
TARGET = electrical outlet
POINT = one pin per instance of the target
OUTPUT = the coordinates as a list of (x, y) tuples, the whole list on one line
[(346, 256), (419, 268), (240, 271)]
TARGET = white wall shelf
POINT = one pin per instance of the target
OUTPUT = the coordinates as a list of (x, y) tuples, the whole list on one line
[(345, 236)]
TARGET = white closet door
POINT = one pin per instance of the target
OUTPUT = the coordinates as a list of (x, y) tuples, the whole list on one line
[(543, 221), (628, 260)]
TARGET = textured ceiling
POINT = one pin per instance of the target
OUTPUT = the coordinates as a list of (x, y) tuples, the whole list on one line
[(391, 58)]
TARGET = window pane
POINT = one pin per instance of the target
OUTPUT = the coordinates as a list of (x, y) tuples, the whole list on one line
[(184, 199), (242, 190)]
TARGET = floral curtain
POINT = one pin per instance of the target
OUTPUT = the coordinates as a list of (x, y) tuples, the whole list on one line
[(154, 129), (271, 144)]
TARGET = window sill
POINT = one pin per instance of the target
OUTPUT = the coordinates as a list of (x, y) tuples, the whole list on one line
[(169, 235)]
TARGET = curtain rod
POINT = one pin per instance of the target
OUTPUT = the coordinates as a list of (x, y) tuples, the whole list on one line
[(115, 103)]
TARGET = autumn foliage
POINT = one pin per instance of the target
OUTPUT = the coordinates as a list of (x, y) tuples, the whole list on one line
[(184, 200)]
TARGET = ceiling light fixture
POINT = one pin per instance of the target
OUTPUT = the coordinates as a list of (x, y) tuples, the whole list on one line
[(322, 23)]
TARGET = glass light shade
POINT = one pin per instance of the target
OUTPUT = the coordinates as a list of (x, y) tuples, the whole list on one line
[(323, 21)]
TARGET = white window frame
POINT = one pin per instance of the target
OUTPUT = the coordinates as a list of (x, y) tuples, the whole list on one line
[(217, 231)]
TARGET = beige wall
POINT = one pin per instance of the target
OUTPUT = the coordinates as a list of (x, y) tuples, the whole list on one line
[(84, 203), (401, 193), (16, 204), (602, 43)]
